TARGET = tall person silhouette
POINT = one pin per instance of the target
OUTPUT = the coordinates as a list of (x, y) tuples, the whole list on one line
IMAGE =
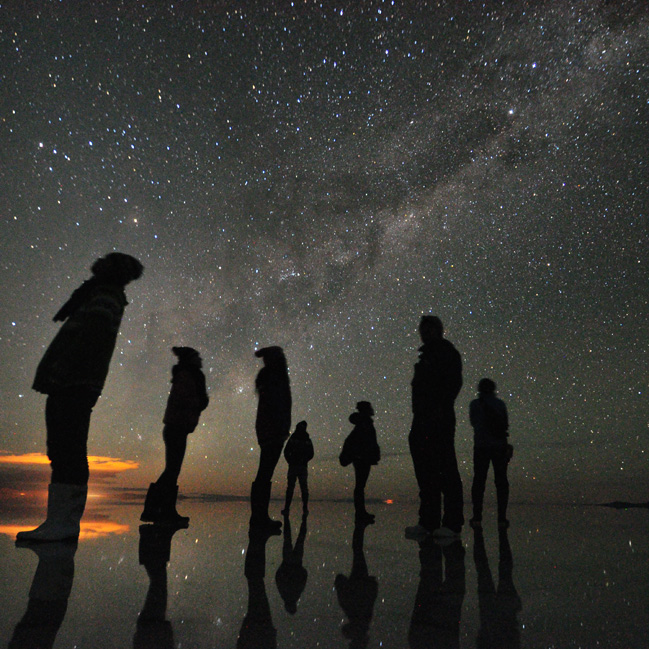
[(272, 426), (72, 374), (435, 386), (187, 399)]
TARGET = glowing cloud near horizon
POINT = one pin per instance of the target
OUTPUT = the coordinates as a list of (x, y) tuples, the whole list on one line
[(96, 462)]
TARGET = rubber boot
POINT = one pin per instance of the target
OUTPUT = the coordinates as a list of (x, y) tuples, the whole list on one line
[(259, 499), (168, 513), (65, 506), (152, 504)]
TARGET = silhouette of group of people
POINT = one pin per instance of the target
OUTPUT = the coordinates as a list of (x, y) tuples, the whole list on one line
[(73, 370)]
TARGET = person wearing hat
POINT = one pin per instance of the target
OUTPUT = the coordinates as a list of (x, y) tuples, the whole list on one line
[(187, 399), (272, 426), (72, 374)]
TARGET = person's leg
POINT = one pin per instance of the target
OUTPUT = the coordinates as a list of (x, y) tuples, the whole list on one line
[(361, 473), (427, 475), (453, 517), (290, 488), (500, 463), (67, 417), (303, 477), (175, 448), (261, 487), (480, 469)]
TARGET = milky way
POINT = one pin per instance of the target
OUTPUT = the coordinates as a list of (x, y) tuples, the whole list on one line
[(318, 175)]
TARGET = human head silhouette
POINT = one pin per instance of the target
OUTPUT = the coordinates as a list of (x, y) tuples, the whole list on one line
[(430, 328)]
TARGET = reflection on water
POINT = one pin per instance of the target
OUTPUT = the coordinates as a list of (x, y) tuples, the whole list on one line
[(326, 583), (48, 596)]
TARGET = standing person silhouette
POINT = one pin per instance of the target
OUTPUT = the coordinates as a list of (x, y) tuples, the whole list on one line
[(362, 450), (187, 399), (72, 374), (488, 415), (436, 383), (298, 452), (272, 427)]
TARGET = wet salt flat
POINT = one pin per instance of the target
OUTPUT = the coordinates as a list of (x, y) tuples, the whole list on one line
[(562, 576)]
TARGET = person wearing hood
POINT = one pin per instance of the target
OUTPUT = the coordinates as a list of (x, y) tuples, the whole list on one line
[(272, 427), (362, 450), (298, 452), (72, 374), (436, 383), (488, 416), (187, 399)]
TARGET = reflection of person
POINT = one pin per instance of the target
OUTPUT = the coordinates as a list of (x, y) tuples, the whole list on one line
[(291, 575), (435, 386), (298, 452), (490, 423), (48, 596), (153, 629), (257, 630), (272, 426), (437, 611), (72, 374), (187, 399), (362, 450), (500, 606), (357, 593)]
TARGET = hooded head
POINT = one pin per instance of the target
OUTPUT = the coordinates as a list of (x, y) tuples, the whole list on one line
[(117, 268), (187, 355), (486, 386), (430, 328)]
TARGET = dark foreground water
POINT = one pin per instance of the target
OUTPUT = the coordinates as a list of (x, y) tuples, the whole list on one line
[(561, 577)]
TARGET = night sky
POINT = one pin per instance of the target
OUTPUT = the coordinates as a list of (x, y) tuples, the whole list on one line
[(318, 176)]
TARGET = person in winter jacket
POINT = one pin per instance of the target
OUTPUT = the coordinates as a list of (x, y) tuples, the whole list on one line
[(298, 452), (272, 426), (436, 383), (72, 374), (488, 415), (362, 450), (187, 399)]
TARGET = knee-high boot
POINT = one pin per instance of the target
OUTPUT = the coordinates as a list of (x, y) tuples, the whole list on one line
[(65, 506)]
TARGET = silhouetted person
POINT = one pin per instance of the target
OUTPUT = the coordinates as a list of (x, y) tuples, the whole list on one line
[(257, 630), (357, 593), (48, 596), (298, 452), (72, 374), (153, 630), (437, 611), (435, 385), (490, 423), (273, 425), (291, 575), (500, 606), (362, 450), (187, 399)]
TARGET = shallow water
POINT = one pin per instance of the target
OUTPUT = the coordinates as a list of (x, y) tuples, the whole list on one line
[(563, 576)]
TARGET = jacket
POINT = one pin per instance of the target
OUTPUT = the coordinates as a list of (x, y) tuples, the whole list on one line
[(187, 398)]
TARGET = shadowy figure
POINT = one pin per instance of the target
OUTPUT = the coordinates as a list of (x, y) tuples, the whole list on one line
[(272, 426), (357, 593), (291, 575), (499, 607), (298, 452), (362, 450), (436, 383), (153, 630), (257, 630), (437, 611), (72, 373), (490, 423), (187, 399), (48, 596)]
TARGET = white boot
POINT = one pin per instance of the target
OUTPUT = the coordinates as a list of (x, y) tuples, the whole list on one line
[(65, 505)]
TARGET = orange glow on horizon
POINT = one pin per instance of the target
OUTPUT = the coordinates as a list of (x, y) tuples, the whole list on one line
[(389, 501), (97, 463)]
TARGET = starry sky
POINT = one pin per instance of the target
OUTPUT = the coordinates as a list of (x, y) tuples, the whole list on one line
[(318, 175)]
